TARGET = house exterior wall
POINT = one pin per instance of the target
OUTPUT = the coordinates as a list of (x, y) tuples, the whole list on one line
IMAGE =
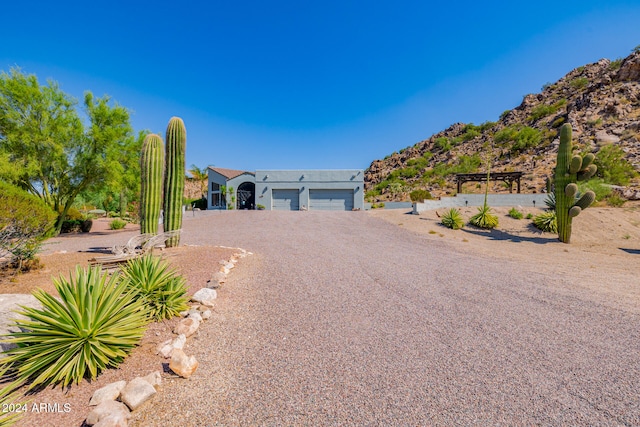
[(220, 180), (305, 180)]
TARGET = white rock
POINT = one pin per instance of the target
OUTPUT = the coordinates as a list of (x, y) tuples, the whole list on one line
[(108, 408), (205, 296), (108, 392), (182, 364), (196, 316), (179, 341), (154, 378), (224, 270), (187, 326), (136, 393), (206, 314), (229, 265)]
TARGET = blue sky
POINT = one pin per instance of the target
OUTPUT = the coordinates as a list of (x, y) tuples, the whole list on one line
[(301, 84)]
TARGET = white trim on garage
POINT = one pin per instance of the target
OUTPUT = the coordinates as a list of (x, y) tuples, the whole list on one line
[(285, 199), (330, 199)]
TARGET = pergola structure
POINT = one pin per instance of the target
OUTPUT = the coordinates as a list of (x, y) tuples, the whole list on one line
[(508, 177)]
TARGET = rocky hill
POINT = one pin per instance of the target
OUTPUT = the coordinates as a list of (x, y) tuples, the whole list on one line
[(601, 101)]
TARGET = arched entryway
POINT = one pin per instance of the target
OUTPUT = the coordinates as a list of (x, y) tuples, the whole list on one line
[(246, 196)]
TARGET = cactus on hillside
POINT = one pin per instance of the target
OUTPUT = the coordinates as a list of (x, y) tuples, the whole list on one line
[(569, 169), (151, 174), (176, 142)]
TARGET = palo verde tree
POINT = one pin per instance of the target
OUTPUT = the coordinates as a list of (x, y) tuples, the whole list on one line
[(53, 154)]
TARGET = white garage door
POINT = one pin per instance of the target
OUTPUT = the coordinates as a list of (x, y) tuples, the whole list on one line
[(285, 200), (331, 200)]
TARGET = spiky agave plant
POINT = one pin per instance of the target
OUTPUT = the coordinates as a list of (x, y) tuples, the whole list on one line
[(159, 288), (8, 399), (546, 222), (484, 218), (452, 219), (94, 324)]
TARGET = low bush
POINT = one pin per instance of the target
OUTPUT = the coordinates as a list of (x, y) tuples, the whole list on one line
[(94, 324), (420, 195), (613, 166), (515, 213), (25, 222), (484, 218), (546, 222), (159, 288), (117, 224), (452, 219)]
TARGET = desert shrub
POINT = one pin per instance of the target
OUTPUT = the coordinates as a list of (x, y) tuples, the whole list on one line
[(613, 167), (117, 224), (160, 289), (515, 213), (24, 222), (452, 219), (546, 222), (93, 325), (484, 218), (443, 143), (544, 110), (615, 64), (529, 216), (377, 205), (579, 83), (615, 200), (200, 203), (260, 207), (419, 195)]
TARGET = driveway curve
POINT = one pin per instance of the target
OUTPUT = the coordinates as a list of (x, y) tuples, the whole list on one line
[(343, 319)]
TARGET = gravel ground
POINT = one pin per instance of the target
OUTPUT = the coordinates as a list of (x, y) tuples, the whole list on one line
[(344, 319)]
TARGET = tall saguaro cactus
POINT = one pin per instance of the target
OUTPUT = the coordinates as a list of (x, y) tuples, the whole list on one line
[(569, 169), (152, 171), (176, 142)]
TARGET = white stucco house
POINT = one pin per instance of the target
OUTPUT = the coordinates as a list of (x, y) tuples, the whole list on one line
[(286, 189)]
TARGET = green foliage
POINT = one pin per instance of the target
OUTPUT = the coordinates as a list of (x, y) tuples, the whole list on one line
[(371, 194), (515, 213), (452, 219), (544, 110), (117, 224), (377, 205), (613, 167), (260, 207), (521, 137), (201, 176), (546, 222), (93, 325), (160, 289), (151, 175), (8, 399), (484, 218), (197, 203), (579, 83), (615, 64), (176, 141), (24, 222), (529, 215), (76, 226), (443, 143), (55, 155), (636, 49), (420, 195), (420, 162)]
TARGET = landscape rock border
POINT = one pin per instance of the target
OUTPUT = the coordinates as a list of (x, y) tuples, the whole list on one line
[(115, 401)]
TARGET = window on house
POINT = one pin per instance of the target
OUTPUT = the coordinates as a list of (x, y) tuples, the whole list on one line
[(215, 187)]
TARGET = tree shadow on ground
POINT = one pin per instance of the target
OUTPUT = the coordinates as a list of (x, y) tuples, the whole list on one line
[(509, 237), (631, 251)]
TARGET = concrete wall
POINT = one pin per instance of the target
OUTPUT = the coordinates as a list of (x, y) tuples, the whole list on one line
[(214, 177), (461, 200), (304, 180)]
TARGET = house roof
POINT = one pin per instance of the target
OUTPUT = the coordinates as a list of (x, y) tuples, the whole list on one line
[(230, 173)]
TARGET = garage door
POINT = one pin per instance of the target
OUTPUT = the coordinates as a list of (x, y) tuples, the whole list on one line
[(331, 200), (285, 200)]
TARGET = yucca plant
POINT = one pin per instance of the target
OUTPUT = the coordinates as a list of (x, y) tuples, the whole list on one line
[(93, 325), (157, 286), (484, 218), (452, 219), (546, 222), (8, 399)]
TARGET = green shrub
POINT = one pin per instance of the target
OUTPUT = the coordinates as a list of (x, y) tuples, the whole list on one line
[(615, 64), (529, 216), (200, 203), (484, 218), (443, 143), (546, 222), (544, 110), (452, 219), (260, 207), (613, 166), (93, 325), (419, 195), (615, 200), (25, 222), (579, 83), (160, 289), (117, 224), (515, 213)]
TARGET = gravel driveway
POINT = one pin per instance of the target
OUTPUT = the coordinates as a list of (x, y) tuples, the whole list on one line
[(343, 319)]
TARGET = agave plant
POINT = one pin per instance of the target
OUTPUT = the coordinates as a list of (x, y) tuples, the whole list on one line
[(452, 219), (93, 325), (8, 400), (159, 288), (484, 218), (546, 222)]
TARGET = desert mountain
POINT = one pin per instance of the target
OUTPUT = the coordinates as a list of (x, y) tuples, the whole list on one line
[(601, 101)]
